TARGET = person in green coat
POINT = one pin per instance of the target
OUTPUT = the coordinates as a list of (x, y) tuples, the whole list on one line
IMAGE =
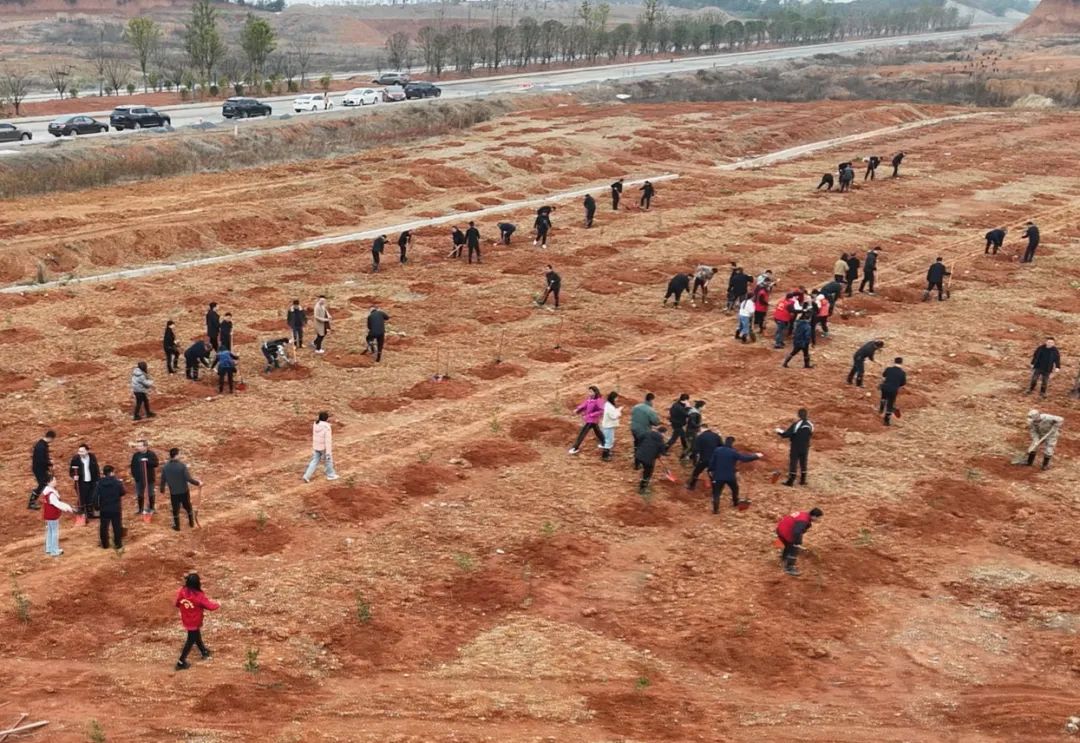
[(642, 419)]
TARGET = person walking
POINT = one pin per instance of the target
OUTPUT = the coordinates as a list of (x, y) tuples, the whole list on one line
[(790, 530), (40, 467), (376, 333), (296, 319), (679, 284), (542, 225), (840, 268), (995, 239), (176, 476), (322, 448), (322, 322), (506, 231), (693, 428), (869, 270), (172, 351), (646, 452), (1044, 362), (647, 193), (1031, 234), (935, 279), (552, 285), (225, 361), (745, 331), (213, 325), (677, 418), (225, 332), (722, 469), (591, 412), (107, 495), (702, 276), (897, 159), (609, 422), (852, 273), (472, 240), (705, 444), (51, 509), (800, 342), (643, 417), (140, 388), (404, 242), (144, 464), (1045, 430), (378, 245), (761, 306), (192, 602), (85, 473), (858, 365), (892, 379), (590, 209), (872, 164), (616, 194), (457, 237), (799, 434), (198, 353)]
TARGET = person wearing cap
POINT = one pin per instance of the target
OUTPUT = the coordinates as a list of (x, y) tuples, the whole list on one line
[(1044, 429)]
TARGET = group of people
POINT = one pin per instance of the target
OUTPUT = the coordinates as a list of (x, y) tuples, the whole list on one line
[(845, 172)]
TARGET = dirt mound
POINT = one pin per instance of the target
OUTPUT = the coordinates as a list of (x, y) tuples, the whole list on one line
[(501, 315), (347, 503), (1052, 18), (447, 389), (141, 351), (632, 510), (550, 355), (499, 453), (555, 431), (80, 322), (290, 373), (423, 480), (377, 404), (18, 335), (73, 368), (496, 370), (11, 382)]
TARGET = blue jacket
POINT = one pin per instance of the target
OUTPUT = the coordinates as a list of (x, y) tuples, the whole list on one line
[(723, 461), (802, 333), (224, 360)]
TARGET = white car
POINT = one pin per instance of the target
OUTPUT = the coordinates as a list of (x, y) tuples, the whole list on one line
[(312, 102), (362, 97)]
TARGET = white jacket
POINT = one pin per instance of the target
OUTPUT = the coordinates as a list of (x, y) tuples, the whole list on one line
[(746, 309), (611, 416)]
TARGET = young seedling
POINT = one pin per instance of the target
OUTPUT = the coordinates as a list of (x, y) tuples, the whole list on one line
[(363, 610), (465, 561), (865, 538), (251, 662), (21, 602), (96, 734), (424, 457), (260, 520), (641, 683), (495, 425), (548, 529)]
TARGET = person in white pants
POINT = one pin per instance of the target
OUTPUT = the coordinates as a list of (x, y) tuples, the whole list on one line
[(322, 449)]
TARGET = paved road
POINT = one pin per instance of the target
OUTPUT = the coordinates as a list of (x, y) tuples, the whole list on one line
[(190, 114)]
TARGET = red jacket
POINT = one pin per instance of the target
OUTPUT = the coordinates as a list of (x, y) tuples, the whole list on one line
[(761, 301), (783, 310), (791, 527), (191, 605)]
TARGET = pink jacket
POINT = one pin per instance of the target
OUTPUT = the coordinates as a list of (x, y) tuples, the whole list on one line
[(592, 410), (322, 438)]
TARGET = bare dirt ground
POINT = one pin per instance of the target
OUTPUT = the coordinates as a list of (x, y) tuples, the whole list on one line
[(526, 595)]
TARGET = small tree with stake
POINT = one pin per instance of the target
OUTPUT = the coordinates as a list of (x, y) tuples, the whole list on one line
[(60, 77), (14, 87)]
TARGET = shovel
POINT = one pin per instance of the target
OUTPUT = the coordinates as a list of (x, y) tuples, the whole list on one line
[(195, 510), (1022, 459)]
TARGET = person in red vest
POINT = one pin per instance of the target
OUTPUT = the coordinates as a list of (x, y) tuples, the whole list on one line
[(761, 307), (783, 316), (191, 602), (50, 511), (791, 529)]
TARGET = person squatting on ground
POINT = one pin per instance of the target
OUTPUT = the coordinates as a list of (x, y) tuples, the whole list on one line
[(376, 333), (898, 158), (935, 279), (144, 464), (225, 362), (677, 418), (869, 270), (995, 239), (702, 276), (404, 242), (1031, 234), (192, 602), (679, 284), (745, 331), (377, 247), (552, 285), (172, 351), (457, 237), (1044, 362), (85, 473), (213, 325), (648, 450), (107, 495), (322, 322), (51, 509), (1045, 430), (175, 476), (872, 164), (790, 530), (642, 419), (225, 332), (506, 231), (322, 448), (647, 193), (274, 351), (542, 225), (858, 365), (609, 422), (801, 340), (705, 444), (472, 241), (590, 209), (40, 467), (296, 319), (826, 180), (722, 469), (799, 434), (591, 412), (198, 353), (616, 194), (892, 379)]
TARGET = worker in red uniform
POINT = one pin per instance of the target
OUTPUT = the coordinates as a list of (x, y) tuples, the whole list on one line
[(791, 530), (192, 602)]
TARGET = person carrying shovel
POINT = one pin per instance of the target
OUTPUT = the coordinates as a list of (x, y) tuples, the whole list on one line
[(1044, 429)]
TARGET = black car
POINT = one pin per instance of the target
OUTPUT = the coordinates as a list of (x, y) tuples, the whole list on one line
[(242, 108), (66, 126), (137, 117), (421, 90)]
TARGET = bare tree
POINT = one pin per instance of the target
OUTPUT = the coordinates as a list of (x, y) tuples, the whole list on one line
[(99, 55), (14, 86), (301, 50), (397, 49), (117, 73), (60, 77), (289, 70)]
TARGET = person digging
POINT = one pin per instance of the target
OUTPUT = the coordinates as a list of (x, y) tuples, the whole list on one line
[(1044, 429), (790, 530)]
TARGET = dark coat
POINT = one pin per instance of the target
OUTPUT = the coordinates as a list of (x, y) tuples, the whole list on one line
[(1046, 359), (76, 470), (705, 444), (893, 378), (213, 323), (677, 414), (472, 237), (799, 433), (937, 273), (867, 350), (590, 204), (196, 351), (40, 461), (137, 466), (802, 334), (554, 281), (650, 448), (870, 264), (225, 333), (168, 342), (1032, 235), (852, 268), (376, 322), (679, 282), (107, 495), (995, 237), (723, 462), (296, 318)]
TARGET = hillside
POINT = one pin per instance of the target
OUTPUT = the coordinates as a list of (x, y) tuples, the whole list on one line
[(1052, 18)]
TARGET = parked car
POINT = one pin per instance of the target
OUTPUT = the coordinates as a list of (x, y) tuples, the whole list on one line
[(12, 133), (390, 95), (421, 90), (242, 108), (391, 78), (66, 126), (137, 117), (362, 97), (312, 102)]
